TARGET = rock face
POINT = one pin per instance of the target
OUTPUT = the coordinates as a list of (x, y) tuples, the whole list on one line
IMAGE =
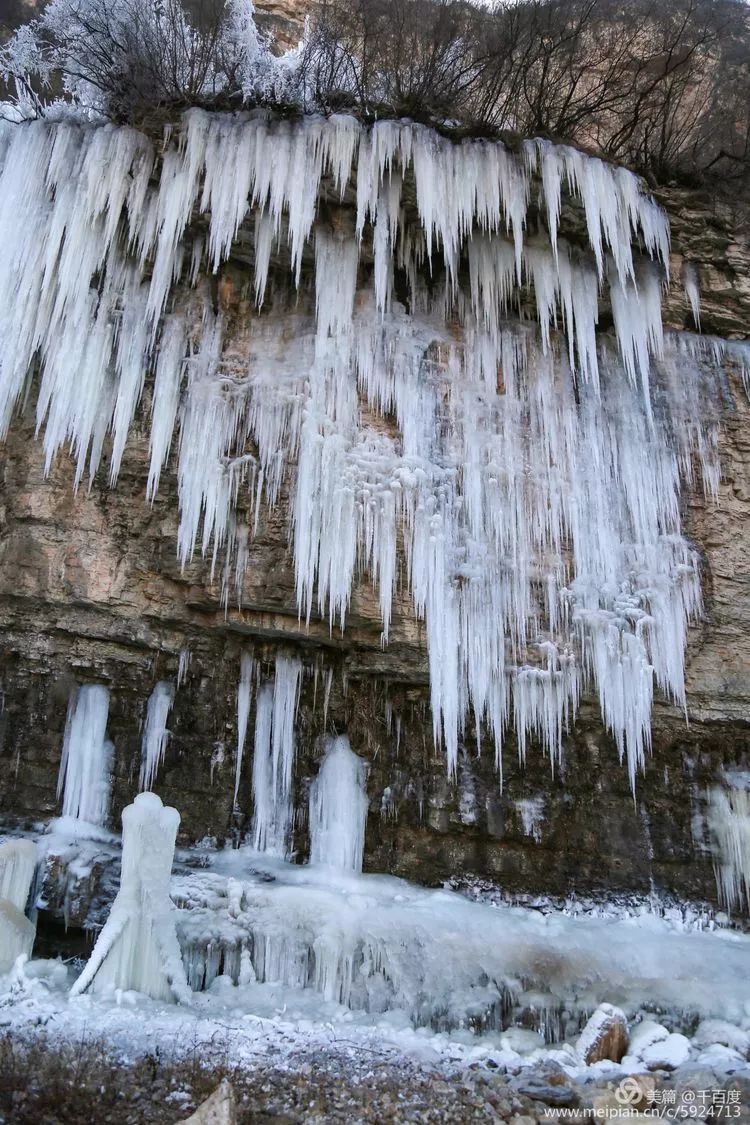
[(91, 591)]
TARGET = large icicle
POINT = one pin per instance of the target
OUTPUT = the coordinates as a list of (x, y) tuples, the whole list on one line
[(17, 866), (244, 693), (338, 809), (273, 759), (85, 769), (729, 824), (155, 734), (137, 948)]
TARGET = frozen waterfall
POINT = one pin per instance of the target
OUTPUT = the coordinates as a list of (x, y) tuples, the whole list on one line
[(155, 734), (439, 396), (18, 859), (273, 759), (338, 809), (85, 769), (137, 948)]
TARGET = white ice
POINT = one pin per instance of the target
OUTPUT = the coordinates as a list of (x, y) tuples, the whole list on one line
[(338, 809), (85, 779), (492, 452), (137, 948)]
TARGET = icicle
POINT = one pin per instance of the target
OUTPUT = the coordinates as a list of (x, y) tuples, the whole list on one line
[(273, 759), (729, 823), (338, 809), (524, 494), (691, 285), (85, 768), (244, 692), (137, 948), (155, 734), (182, 666)]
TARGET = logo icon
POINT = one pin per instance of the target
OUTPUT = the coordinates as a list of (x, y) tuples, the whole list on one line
[(629, 1091)]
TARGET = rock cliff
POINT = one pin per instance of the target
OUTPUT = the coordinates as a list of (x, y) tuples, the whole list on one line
[(91, 590)]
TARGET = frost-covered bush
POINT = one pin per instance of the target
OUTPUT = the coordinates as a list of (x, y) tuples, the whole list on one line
[(128, 58)]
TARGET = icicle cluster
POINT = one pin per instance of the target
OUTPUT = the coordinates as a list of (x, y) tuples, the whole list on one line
[(489, 449)]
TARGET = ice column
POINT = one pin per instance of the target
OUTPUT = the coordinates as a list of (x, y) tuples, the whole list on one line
[(137, 949), (338, 809), (17, 867), (85, 769), (244, 692), (155, 735), (729, 823), (273, 759)]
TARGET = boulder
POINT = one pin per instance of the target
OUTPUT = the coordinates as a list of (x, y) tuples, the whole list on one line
[(219, 1109), (605, 1036)]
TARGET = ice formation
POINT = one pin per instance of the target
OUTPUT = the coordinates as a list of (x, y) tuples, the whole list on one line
[(273, 759), (338, 809), (18, 860), (85, 768), (451, 418), (244, 693), (155, 734), (17, 866), (729, 824), (377, 944), (137, 948)]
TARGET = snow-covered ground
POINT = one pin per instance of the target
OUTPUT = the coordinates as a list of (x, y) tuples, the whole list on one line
[(293, 960)]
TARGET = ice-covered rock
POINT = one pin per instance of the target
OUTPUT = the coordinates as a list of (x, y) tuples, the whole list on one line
[(726, 1034), (16, 935), (643, 1035), (667, 1054), (605, 1036), (219, 1109)]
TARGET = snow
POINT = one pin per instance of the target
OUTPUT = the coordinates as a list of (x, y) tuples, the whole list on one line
[(85, 767), (155, 734), (667, 1054), (137, 948), (516, 470), (338, 809), (291, 959)]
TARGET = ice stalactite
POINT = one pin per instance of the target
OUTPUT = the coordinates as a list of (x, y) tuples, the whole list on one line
[(273, 759), (692, 286), (729, 824), (155, 734), (491, 450), (85, 780), (137, 948), (244, 695), (338, 809), (18, 859)]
